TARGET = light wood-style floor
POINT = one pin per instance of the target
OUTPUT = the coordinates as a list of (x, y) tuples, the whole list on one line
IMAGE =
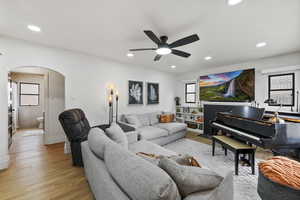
[(39, 172)]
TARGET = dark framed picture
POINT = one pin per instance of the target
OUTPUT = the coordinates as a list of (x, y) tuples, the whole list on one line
[(135, 92), (152, 93)]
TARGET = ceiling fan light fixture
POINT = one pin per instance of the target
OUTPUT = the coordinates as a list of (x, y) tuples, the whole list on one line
[(163, 51), (130, 55)]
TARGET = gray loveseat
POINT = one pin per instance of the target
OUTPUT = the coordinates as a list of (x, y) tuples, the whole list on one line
[(99, 167), (149, 128)]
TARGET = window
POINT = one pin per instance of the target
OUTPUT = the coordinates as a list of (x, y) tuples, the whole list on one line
[(29, 94), (190, 93), (282, 89)]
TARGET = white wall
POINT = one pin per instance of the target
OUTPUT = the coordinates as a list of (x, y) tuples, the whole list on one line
[(27, 115), (54, 105), (261, 80), (87, 78)]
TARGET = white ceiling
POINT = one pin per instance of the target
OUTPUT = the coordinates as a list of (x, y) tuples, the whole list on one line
[(108, 28)]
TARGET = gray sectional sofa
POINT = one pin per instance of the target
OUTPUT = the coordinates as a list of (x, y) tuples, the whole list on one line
[(117, 173), (149, 128)]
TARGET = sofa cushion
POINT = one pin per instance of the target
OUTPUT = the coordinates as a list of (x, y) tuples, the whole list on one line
[(151, 148), (205, 195), (97, 141), (144, 119), (154, 118), (115, 133), (150, 132), (132, 136), (138, 178), (172, 127), (190, 179), (134, 120)]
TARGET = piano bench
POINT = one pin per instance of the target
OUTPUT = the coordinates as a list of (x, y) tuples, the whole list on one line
[(237, 148)]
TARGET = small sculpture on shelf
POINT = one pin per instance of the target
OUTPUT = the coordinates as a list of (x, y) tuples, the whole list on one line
[(177, 101)]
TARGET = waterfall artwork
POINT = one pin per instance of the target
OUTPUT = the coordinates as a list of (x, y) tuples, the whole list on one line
[(235, 86), (135, 92), (152, 93), (231, 89)]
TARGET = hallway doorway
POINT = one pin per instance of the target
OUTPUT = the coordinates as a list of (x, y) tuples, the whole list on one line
[(39, 98)]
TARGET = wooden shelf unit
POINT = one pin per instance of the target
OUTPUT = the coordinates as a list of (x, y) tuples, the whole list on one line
[(191, 116)]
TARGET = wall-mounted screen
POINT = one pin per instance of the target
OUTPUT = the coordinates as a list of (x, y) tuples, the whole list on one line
[(235, 86)]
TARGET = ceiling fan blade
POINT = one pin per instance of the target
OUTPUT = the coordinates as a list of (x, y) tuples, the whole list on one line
[(157, 57), (180, 53), (185, 41), (144, 49), (153, 37)]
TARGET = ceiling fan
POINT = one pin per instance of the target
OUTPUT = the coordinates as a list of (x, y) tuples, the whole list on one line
[(163, 48)]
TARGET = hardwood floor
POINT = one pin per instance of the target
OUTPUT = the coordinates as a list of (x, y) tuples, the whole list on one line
[(41, 172)]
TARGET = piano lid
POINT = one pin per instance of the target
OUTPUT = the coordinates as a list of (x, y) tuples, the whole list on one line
[(248, 112)]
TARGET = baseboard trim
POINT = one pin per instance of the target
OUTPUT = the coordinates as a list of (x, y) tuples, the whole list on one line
[(54, 140), (4, 161)]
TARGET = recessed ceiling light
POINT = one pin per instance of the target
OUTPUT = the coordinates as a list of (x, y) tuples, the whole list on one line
[(130, 55), (173, 66), (233, 2), (208, 58), (261, 44), (34, 28)]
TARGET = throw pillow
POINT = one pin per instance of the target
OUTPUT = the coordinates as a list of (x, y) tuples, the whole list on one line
[(134, 120), (186, 160), (166, 118), (144, 119), (154, 118), (282, 170), (116, 134), (97, 141), (190, 179), (138, 178)]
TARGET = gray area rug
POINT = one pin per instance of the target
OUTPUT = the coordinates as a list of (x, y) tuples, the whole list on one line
[(245, 184)]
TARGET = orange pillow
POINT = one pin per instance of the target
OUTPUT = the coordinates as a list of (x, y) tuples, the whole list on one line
[(166, 118), (282, 170)]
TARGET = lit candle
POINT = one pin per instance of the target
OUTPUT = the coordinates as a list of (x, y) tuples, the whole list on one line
[(110, 100), (111, 88), (117, 105), (117, 95)]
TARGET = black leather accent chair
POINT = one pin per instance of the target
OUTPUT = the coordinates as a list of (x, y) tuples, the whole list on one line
[(76, 128)]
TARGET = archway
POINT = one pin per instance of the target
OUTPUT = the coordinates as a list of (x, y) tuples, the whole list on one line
[(55, 103)]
